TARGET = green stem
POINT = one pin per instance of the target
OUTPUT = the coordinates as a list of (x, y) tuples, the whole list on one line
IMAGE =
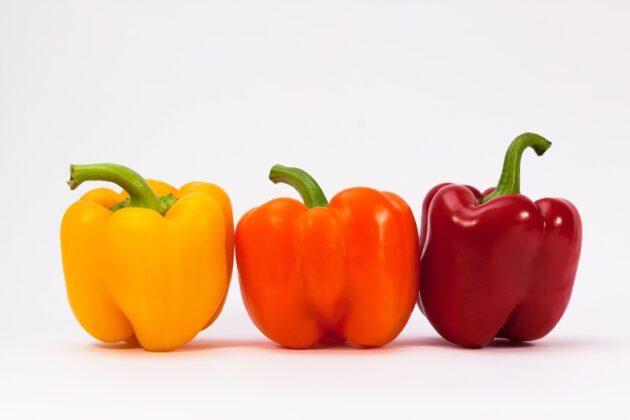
[(140, 193), (510, 181), (308, 188)]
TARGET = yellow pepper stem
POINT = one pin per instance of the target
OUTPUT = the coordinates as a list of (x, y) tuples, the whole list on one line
[(140, 193)]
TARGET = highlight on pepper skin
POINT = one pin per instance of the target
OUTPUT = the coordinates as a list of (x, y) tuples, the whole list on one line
[(151, 264), (497, 264), (319, 273)]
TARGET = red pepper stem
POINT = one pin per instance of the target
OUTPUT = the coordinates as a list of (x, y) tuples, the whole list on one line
[(309, 190), (140, 193), (510, 181)]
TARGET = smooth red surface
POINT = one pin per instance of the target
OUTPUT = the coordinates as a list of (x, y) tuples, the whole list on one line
[(505, 268), (348, 272)]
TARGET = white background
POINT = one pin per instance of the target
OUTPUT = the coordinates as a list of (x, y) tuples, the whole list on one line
[(391, 94)]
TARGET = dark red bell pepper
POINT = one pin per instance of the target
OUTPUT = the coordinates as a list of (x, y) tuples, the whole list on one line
[(497, 264)]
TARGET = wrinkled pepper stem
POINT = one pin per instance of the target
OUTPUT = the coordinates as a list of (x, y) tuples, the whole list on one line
[(510, 181), (140, 193), (309, 190)]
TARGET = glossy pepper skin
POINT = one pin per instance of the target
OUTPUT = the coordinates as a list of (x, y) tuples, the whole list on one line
[(153, 270), (322, 273), (497, 264)]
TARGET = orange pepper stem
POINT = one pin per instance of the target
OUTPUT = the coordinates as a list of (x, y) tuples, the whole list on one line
[(140, 193), (510, 181), (309, 190)]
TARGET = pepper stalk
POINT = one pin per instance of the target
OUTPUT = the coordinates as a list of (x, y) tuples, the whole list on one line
[(510, 181), (140, 193)]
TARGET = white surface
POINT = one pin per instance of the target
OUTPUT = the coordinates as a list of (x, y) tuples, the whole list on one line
[(394, 95)]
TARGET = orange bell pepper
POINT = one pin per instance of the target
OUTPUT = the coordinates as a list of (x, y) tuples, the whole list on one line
[(323, 273), (151, 264)]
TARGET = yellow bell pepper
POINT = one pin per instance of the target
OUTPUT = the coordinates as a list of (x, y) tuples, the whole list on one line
[(151, 264)]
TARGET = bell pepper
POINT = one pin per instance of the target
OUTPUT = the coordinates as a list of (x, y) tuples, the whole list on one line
[(319, 273), (151, 264), (497, 264)]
